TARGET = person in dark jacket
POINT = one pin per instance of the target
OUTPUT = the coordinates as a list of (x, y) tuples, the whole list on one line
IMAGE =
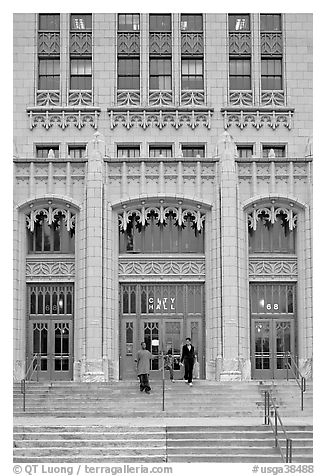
[(143, 366), (188, 359)]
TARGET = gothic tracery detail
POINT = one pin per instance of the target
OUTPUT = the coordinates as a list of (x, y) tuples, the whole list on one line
[(51, 215), (271, 214)]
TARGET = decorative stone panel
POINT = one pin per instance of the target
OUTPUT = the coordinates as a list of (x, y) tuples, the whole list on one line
[(50, 269), (148, 118), (268, 268), (80, 98), (128, 43), (48, 44), (240, 98), (160, 98), (192, 44), (160, 44), (239, 44), (272, 98), (271, 43), (192, 98), (128, 98), (48, 98), (164, 269), (81, 44)]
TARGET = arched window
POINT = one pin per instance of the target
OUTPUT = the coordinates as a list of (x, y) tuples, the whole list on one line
[(271, 235)]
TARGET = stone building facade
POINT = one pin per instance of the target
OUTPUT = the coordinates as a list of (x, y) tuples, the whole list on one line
[(162, 189)]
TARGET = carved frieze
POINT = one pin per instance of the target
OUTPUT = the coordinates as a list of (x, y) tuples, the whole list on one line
[(160, 43), (271, 43), (81, 43), (239, 43), (49, 43), (165, 269), (128, 43), (50, 269), (257, 118), (281, 268), (192, 44), (62, 118)]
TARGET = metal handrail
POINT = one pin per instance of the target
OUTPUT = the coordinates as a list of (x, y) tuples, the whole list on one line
[(301, 381), (25, 379), (268, 420)]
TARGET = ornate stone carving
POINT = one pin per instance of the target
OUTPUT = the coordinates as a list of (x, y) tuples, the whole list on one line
[(176, 268), (62, 118), (271, 43), (192, 44), (48, 44), (269, 267), (80, 98), (270, 214), (128, 43), (160, 119), (81, 43), (257, 118), (49, 269), (160, 98), (179, 213), (192, 98), (128, 98), (160, 43), (48, 98), (272, 98), (51, 215), (239, 43), (240, 98)]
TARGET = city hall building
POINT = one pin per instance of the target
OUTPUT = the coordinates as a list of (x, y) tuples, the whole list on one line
[(162, 189)]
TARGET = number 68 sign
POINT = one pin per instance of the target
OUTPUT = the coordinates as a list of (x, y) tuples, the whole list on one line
[(269, 307)]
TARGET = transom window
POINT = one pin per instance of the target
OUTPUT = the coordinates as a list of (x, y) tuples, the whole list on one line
[(128, 22), (193, 150), (54, 238), (239, 22), (165, 237), (128, 73), (159, 22), (128, 151), (272, 238), (49, 22), (42, 151), (270, 22), (191, 22), (160, 151), (50, 300), (81, 21), (272, 298), (192, 74), (160, 73), (49, 74)]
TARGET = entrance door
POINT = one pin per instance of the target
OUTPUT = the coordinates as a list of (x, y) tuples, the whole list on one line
[(271, 340), (52, 341)]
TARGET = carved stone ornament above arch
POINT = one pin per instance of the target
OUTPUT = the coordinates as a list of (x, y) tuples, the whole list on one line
[(178, 210)]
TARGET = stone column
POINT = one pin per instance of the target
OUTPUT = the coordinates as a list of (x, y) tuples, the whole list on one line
[(229, 259), (93, 366)]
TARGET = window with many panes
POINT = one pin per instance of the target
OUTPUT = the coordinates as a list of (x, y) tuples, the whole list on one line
[(192, 76), (42, 151), (128, 73), (239, 52), (271, 51), (128, 151), (77, 151), (80, 51), (245, 151), (193, 150), (128, 22), (159, 22), (48, 56), (279, 150), (160, 73), (160, 151)]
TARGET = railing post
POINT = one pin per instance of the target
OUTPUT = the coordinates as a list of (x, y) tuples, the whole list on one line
[(163, 384), (287, 366), (23, 391), (290, 450), (303, 389), (37, 367), (266, 407), (275, 423)]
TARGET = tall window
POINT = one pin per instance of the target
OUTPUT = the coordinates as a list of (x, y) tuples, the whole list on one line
[(239, 52), (81, 51), (128, 73), (192, 76), (271, 52), (49, 51), (160, 73), (272, 238)]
